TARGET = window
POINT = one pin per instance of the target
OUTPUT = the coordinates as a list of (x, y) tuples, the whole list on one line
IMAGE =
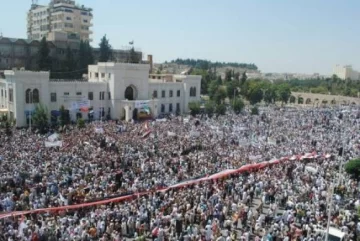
[(109, 95), (5, 93), (162, 108), (177, 107), (68, 18), (35, 96), (53, 97), (66, 93), (163, 93), (78, 93), (2, 92), (102, 95), (155, 94), (85, 21), (102, 75), (11, 95), (27, 96), (84, 13), (91, 96), (170, 108), (96, 75), (178, 93), (192, 91), (109, 75), (170, 93)]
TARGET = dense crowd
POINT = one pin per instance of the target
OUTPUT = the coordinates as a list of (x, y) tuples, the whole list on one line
[(286, 201)]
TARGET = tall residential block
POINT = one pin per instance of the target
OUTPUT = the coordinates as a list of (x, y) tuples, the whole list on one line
[(346, 72), (60, 19)]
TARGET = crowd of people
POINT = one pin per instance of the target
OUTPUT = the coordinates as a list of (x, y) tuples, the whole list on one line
[(148, 162)]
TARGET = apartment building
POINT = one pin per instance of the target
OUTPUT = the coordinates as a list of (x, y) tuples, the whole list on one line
[(346, 72), (60, 16)]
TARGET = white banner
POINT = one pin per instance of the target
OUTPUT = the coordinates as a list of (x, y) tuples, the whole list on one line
[(53, 144), (75, 105), (194, 134), (53, 137), (169, 133), (99, 130), (142, 104)]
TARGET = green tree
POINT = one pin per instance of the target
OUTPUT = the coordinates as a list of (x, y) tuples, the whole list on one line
[(238, 105), (228, 75), (105, 50), (237, 76), (220, 95), (69, 65), (80, 123), (40, 118), (64, 116), (284, 92), (85, 57), (270, 94), (210, 108), (134, 58), (353, 168), (254, 110), (194, 108), (43, 56), (212, 89), (243, 78), (219, 80), (220, 109), (254, 93), (232, 89)]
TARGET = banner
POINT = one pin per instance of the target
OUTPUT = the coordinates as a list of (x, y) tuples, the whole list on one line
[(54, 137), (99, 130), (79, 104), (224, 173), (53, 144), (142, 104)]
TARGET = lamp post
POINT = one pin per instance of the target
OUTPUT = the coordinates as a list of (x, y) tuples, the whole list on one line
[(30, 102)]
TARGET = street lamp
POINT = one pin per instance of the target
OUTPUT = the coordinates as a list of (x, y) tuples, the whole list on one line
[(30, 102)]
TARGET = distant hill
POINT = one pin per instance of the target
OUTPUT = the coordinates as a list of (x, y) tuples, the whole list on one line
[(178, 66)]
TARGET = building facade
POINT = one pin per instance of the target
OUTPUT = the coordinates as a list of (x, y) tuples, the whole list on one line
[(346, 72), (113, 90), (62, 16)]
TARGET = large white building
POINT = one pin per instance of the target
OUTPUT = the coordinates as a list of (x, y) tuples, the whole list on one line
[(117, 90), (59, 17), (346, 72)]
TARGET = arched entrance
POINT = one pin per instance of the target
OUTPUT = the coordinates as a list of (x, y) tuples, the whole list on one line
[(130, 93), (300, 100), (135, 114), (292, 99), (308, 101)]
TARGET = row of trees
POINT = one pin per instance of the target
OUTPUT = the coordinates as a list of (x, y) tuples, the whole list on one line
[(333, 85), (206, 64), (75, 64)]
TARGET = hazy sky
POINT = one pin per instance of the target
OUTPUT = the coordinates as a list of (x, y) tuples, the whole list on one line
[(303, 36)]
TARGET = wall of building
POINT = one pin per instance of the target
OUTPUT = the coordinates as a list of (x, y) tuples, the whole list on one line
[(346, 72)]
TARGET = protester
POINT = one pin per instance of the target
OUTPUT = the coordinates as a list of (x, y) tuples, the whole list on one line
[(283, 201)]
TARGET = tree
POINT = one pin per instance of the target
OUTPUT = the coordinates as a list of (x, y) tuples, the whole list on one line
[(210, 108), (232, 89), (237, 76), (212, 89), (194, 108), (80, 123), (243, 78), (85, 57), (105, 50), (228, 75), (43, 56), (353, 168), (133, 57), (270, 94), (284, 92), (220, 95), (40, 118), (69, 64), (254, 93), (220, 109), (238, 105), (254, 110), (64, 116), (219, 80)]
